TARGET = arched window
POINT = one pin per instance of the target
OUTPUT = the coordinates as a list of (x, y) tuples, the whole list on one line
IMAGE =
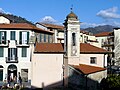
[(73, 39)]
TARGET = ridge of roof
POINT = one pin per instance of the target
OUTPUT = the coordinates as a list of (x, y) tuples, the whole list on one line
[(51, 25), (22, 26)]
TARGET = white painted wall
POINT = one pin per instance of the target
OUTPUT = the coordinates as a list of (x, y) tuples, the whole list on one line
[(4, 20), (85, 59), (46, 69)]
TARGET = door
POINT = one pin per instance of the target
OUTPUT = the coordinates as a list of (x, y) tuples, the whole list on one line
[(1, 74)]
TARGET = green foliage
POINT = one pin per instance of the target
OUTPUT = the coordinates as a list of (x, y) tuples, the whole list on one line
[(111, 82), (15, 19)]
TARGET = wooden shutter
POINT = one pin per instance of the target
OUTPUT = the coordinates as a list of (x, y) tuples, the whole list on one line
[(27, 37), (5, 35), (20, 38)]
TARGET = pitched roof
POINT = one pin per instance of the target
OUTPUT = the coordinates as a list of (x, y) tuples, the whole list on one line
[(102, 34), (52, 26), (87, 48), (88, 69), (49, 47), (23, 26), (58, 47)]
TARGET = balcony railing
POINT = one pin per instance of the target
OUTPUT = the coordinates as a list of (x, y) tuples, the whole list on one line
[(107, 43), (11, 59), (4, 43)]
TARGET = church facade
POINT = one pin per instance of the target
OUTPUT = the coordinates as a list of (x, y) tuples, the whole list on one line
[(69, 63)]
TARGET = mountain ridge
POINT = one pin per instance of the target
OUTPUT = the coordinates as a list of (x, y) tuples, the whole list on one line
[(99, 29)]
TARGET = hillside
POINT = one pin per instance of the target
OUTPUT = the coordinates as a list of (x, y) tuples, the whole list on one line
[(98, 29), (15, 19)]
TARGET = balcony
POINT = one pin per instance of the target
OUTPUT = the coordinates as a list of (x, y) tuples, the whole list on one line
[(22, 43), (4, 43), (107, 44), (11, 59)]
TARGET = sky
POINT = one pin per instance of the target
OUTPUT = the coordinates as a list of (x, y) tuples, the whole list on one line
[(90, 12)]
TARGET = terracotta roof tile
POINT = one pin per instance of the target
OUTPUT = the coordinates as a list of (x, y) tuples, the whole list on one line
[(102, 34), (88, 69), (87, 48), (22, 26), (52, 26), (58, 47), (49, 47)]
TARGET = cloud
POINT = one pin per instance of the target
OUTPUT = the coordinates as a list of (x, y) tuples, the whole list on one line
[(110, 13), (2, 11), (48, 19)]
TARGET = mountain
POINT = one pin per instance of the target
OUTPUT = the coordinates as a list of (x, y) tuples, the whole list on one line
[(15, 19), (98, 29)]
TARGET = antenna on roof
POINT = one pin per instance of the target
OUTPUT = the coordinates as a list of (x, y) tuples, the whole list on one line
[(71, 8)]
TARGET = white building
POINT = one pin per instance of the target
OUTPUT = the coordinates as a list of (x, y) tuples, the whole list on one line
[(15, 49), (58, 31)]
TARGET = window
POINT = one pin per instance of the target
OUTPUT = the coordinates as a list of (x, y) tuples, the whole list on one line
[(3, 37), (23, 37), (93, 60), (1, 52), (48, 38), (24, 52), (74, 39), (44, 37), (12, 53), (40, 37), (12, 35)]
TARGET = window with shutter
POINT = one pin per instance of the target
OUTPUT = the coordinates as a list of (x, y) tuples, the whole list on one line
[(24, 52), (1, 52), (12, 35), (3, 37)]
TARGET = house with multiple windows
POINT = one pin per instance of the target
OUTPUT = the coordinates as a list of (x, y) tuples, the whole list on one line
[(58, 31), (15, 48)]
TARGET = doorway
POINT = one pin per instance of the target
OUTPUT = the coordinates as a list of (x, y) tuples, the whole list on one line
[(12, 70), (1, 73)]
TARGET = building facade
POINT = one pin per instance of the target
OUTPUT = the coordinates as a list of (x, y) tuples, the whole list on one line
[(15, 48)]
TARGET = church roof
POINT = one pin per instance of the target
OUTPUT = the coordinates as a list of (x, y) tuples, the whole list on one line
[(58, 47), (87, 48), (49, 47), (72, 15), (88, 69)]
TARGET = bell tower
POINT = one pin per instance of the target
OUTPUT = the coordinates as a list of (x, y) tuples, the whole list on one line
[(72, 34)]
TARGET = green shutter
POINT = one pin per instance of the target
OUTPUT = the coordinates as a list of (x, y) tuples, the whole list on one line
[(40, 37), (27, 37), (5, 35), (44, 37), (1, 52), (24, 52), (0, 37), (20, 38), (12, 35)]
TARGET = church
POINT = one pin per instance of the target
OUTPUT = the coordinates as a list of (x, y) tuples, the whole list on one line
[(80, 65)]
